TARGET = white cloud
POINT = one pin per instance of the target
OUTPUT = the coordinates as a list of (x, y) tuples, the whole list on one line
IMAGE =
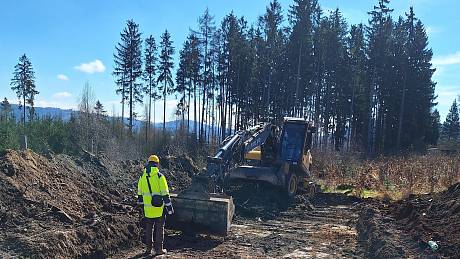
[(431, 30), (92, 67), (450, 59), (62, 77), (439, 72), (446, 95), (55, 104), (61, 95)]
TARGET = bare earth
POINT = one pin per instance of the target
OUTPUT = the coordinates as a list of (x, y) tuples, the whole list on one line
[(324, 229), (57, 206)]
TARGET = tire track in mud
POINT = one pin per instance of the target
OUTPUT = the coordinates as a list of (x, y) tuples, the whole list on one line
[(324, 229)]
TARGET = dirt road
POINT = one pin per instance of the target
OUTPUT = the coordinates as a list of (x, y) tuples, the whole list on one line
[(323, 229)]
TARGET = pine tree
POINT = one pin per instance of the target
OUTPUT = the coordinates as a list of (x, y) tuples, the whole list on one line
[(300, 54), (419, 100), (222, 75), (194, 61), (335, 89), (378, 34), (272, 21), (182, 79), (451, 126), (165, 67), (400, 58), (257, 77), (214, 53), (23, 83), (150, 61), (128, 67), (360, 106), (207, 28)]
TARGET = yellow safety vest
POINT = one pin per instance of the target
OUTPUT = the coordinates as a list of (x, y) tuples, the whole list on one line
[(159, 187)]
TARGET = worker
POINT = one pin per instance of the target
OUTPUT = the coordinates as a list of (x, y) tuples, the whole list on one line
[(153, 198)]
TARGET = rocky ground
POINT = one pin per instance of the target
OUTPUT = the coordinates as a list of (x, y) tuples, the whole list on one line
[(56, 206)]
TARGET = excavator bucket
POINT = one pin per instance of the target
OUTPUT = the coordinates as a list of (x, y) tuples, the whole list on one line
[(197, 211)]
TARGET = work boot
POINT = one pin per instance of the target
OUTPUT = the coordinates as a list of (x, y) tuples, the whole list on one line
[(161, 252)]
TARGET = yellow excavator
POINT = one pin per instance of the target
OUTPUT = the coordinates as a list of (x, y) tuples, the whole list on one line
[(267, 153)]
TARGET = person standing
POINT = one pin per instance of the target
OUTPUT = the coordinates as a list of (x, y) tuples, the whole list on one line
[(153, 197)]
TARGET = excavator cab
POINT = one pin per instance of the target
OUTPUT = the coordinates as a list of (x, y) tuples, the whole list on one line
[(294, 156), (292, 141), (296, 141)]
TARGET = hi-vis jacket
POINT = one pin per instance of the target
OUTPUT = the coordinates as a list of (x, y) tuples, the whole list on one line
[(159, 187)]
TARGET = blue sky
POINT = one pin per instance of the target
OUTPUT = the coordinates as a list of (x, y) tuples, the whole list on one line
[(71, 42)]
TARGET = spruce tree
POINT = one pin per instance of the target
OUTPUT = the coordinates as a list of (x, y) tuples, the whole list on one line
[(207, 28), (165, 67), (23, 83), (194, 60), (272, 20), (378, 36), (451, 126), (300, 54), (182, 79), (150, 63), (360, 87), (128, 67), (99, 109)]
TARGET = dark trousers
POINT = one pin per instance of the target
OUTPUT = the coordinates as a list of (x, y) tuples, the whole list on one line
[(156, 224)]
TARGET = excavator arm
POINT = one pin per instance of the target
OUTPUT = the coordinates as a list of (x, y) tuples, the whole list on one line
[(232, 152)]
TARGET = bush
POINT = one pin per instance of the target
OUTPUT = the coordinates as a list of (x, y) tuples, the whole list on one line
[(393, 176)]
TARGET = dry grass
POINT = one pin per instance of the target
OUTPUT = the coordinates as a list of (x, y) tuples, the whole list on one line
[(393, 177)]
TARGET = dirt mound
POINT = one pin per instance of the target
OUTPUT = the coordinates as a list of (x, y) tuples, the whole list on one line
[(62, 206), (433, 217), (59, 206), (403, 228), (179, 171), (264, 201), (378, 235), (257, 200)]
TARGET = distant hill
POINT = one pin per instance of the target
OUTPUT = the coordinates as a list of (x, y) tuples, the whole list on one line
[(65, 114), (43, 112)]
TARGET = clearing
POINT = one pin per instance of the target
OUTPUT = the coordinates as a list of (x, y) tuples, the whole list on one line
[(58, 206)]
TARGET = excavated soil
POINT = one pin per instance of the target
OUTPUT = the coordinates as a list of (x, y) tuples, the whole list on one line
[(404, 228), (433, 217), (64, 207)]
